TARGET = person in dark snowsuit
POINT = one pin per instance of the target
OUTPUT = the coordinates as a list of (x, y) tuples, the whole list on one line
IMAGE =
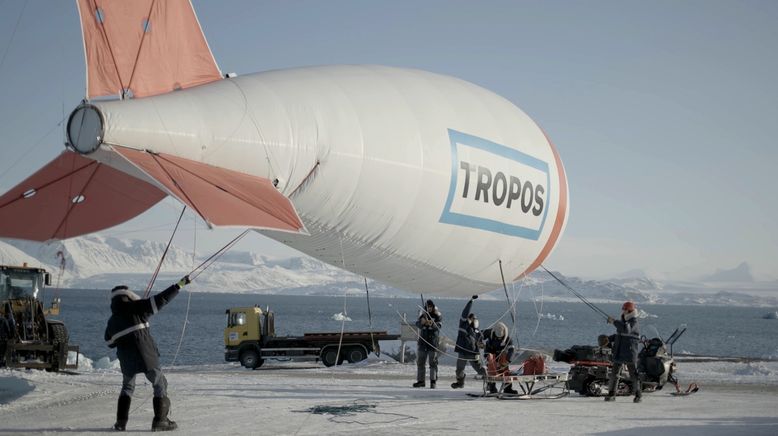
[(429, 323), (7, 331), (499, 344), (128, 332), (468, 339), (625, 350)]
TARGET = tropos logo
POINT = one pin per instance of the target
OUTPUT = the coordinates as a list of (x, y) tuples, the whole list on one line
[(496, 188)]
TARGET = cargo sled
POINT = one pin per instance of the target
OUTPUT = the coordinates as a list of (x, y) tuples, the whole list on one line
[(532, 380)]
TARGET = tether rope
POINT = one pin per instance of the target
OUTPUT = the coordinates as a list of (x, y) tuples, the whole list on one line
[(370, 321), (505, 288), (189, 295), (214, 257), (164, 254), (577, 294), (13, 34), (345, 314)]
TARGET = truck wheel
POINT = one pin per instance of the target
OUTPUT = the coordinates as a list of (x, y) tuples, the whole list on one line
[(329, 356), (250, 359), (59, 339), (355, 354)]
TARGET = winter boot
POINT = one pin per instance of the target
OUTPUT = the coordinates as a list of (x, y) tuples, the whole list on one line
[(610, 398), (508, 389), (419, 384), (459, 384), (432, 384), (161, 410), (492, 388), (637, 399), (122, 413)]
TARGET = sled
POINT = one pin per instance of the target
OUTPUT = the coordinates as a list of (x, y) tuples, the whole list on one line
[(531, 380)]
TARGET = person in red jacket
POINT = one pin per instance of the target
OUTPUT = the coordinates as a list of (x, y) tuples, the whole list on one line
[(625, 350)]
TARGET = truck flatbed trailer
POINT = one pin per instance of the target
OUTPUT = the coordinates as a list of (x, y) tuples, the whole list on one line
[(250, 339)]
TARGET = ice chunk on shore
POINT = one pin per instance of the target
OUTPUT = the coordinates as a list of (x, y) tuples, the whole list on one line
[(341, 317)]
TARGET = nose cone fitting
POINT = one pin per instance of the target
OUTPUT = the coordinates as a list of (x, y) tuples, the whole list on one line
[(85, 129)]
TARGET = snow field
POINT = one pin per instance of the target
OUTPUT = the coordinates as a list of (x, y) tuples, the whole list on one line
[(280, 398)]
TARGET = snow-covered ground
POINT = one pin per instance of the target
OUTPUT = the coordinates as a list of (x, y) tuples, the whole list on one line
[(280, 398)]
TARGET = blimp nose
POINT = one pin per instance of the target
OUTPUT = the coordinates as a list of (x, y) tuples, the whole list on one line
[(85, 129)]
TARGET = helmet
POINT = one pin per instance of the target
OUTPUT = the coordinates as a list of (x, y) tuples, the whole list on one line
[(628, 306)]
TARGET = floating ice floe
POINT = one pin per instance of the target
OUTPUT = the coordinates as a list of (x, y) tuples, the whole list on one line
[(552, 316), (341, 317), (771, 315)]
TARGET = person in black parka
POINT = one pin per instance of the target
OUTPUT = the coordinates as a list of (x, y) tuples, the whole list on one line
[(468, 339), (128, 332), (429, 323), (625, 350)]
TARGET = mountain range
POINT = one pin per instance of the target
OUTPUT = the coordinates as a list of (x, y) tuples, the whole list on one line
[(99, 262)]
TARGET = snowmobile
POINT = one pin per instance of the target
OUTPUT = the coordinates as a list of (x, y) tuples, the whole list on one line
[(592, 366)]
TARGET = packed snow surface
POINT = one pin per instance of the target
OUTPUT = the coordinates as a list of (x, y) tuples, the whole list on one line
[(375, 397)]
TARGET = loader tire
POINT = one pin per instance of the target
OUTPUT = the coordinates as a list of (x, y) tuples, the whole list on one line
[(58, 334)]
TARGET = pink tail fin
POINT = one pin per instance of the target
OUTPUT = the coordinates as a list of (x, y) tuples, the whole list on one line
[(73, 196), (146, 47), (221, 197)]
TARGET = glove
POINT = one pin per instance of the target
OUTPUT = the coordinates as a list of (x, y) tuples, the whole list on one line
[(474, 297), (184, 281), (610, 320)]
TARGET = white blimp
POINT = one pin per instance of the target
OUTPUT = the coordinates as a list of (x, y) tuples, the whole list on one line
[(421, 181)]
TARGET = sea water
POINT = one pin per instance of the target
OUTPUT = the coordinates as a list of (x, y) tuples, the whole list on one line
[(712, 330)]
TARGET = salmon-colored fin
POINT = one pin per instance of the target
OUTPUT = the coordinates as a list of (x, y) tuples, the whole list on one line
[(559, 219), (221, 197), (143, 47), (73, 196)]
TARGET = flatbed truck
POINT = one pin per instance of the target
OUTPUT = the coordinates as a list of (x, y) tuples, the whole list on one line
[(250, 339)]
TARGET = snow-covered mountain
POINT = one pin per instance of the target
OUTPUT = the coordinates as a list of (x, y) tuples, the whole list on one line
[(740, 274), (102, 262), (98, 262)]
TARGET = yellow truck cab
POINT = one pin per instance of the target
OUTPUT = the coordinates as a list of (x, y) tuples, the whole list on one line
[(250, 338)]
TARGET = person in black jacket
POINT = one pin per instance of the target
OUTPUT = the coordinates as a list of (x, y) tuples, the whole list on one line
[(625, 350), (499, 344), (7, 331), (429, 323), (128, 332), (468, 339)]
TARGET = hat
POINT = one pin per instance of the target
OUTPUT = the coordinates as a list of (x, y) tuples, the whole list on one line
[(124, 290), (430, 303), (628, 306), (500, 330)]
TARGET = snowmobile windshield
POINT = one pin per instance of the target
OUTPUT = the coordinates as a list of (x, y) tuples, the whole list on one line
[(676, 334)]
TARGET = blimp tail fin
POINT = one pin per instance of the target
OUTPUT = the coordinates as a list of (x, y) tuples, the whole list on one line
[(73, 196), (220, 196), (143, 47)]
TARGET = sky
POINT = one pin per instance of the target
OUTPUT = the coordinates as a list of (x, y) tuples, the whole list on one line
[(664, 112)]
